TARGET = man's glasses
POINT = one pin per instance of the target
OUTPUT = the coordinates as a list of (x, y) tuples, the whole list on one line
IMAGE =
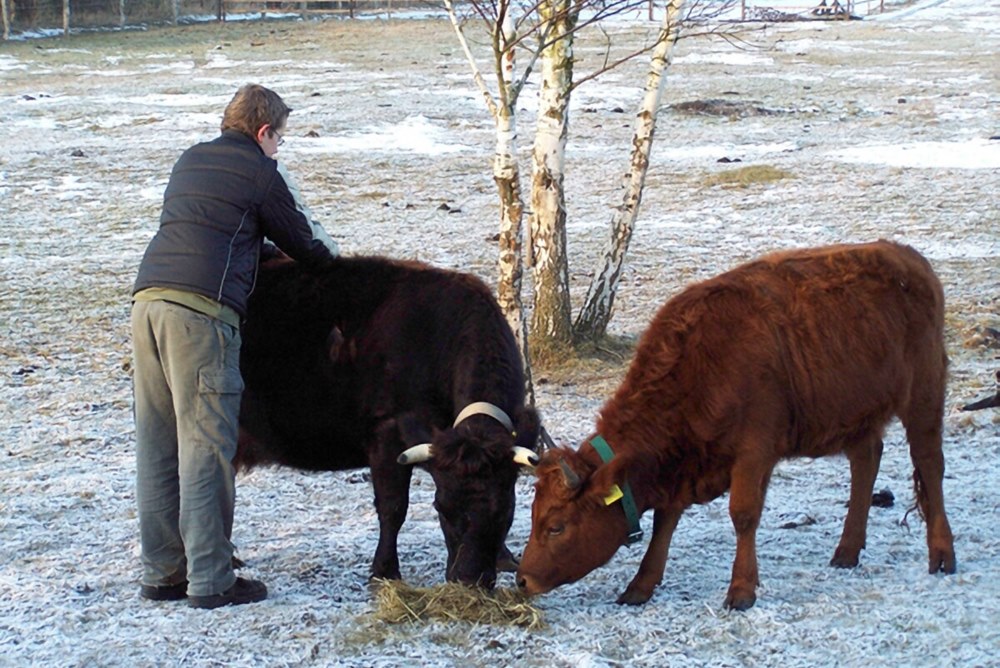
[(281, 140)]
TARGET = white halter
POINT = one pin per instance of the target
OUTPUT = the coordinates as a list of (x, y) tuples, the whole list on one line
[(422, 451), (485, 408)]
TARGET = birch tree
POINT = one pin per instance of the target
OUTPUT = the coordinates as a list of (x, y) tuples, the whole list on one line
[(595, 314), (544, 32), (506, 173), (550, 327), (535, 24)]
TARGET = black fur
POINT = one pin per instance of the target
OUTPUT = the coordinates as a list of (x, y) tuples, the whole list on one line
[(349, 365)]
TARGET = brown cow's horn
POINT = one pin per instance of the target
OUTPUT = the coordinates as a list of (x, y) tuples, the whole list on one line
[(416, 454), (570, 477)]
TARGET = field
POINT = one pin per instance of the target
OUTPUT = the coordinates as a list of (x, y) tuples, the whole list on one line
[(844, 131)]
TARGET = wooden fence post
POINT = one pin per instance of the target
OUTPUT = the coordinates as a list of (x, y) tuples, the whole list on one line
[(65, 17)]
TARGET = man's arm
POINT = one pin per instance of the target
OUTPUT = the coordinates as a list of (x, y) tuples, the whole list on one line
[(284, 224), (318, 231)]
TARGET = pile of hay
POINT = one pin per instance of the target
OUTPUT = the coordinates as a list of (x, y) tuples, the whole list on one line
[(399, 602)]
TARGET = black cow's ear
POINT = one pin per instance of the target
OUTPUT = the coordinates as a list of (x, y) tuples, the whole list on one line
[(526, 426), (412, 430), (334, 344)]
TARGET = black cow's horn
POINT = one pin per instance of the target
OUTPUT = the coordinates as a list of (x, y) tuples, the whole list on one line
[(416, 454), (524, 456)]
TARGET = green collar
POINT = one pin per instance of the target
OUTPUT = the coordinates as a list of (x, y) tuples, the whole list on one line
[(628, 501)]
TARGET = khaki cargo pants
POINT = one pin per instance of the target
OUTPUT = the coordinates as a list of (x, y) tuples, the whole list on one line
[(187, 389)]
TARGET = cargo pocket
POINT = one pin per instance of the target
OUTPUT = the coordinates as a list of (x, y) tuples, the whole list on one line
[(220, 381), (219, 393)]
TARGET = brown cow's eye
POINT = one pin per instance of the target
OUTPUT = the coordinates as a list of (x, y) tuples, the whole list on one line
[(556, 529)]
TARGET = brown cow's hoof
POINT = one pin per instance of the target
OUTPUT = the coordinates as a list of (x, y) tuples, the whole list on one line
[(844, 558), (942, 562), (740, 601)]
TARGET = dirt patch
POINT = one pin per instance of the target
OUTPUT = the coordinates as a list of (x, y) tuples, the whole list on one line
[(731, 109)]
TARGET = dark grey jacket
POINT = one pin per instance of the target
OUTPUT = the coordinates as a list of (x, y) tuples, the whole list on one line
[(223, 198)]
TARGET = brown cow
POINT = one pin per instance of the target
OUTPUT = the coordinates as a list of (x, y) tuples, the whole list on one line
[(805, 353)]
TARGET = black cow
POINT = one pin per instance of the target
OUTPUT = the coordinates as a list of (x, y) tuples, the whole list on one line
[(387, 364)]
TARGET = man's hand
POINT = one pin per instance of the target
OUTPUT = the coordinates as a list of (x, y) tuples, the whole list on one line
[(274, 257)]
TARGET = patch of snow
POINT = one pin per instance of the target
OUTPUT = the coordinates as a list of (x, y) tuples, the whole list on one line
[(414, 134), (969, 154)]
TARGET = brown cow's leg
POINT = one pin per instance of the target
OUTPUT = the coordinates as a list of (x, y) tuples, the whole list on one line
[(928, 476), (655, 560), (923, 423), (865, 458), (750, 477)]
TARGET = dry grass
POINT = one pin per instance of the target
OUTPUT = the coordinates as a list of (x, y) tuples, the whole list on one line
[(747, 176), (399, 602)]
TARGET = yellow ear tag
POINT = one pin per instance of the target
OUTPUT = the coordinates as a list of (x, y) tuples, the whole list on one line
[(615, 494)]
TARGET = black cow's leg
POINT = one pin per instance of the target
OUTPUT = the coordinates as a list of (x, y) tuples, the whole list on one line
[(506, 561), (392, 498)]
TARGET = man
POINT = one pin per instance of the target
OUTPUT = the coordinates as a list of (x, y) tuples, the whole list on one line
[(223, 198)]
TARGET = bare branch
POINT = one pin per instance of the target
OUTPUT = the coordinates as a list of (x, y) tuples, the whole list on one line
[(585, 14), (476, 74)]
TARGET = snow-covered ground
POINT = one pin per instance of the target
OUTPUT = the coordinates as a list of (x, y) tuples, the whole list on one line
[(888, 128)]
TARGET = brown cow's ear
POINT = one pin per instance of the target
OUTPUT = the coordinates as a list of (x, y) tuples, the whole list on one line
[(607, 481)]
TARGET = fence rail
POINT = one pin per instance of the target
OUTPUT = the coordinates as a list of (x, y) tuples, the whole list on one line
[(25, 16), (344, 7), (758, 10)]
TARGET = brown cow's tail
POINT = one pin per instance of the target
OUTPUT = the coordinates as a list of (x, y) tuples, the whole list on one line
[(920, 494)]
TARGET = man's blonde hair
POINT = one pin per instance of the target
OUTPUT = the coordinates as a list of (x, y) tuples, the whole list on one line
[(252, 107)]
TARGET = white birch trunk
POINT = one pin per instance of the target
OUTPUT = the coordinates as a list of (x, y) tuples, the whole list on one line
[(507, 176), (6, 19), (596, 312), (511, 269), (550, 325), (66, 17)]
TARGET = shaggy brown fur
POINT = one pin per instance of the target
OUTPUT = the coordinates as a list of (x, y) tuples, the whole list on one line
[(803, 353)]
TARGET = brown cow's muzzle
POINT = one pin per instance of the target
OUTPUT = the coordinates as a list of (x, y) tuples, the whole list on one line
[(531, 586)]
